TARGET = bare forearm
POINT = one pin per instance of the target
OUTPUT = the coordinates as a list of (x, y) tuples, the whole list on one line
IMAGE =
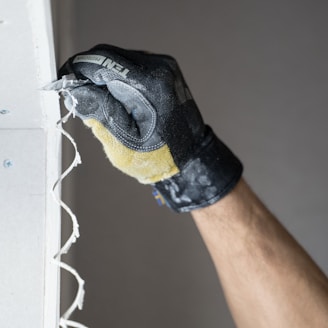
[(268, 279)]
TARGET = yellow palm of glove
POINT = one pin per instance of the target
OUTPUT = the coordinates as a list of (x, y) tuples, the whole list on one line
[(146, 167)]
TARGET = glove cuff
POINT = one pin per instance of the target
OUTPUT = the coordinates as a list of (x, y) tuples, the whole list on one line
[(210, 175)]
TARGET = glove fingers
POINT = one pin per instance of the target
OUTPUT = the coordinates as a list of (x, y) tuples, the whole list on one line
[(88, 101), (94, 102)]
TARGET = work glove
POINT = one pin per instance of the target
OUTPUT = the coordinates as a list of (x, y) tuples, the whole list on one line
[(140, 108)]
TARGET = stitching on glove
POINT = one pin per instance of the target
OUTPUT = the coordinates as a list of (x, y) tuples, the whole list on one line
[(140, 148)]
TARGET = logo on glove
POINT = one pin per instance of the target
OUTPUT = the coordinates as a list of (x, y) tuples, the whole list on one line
[(103, 61)]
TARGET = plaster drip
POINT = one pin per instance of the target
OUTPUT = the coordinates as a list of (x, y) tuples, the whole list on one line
[(65, 321)]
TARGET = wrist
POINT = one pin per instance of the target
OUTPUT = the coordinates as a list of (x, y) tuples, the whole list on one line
[(208, 176)]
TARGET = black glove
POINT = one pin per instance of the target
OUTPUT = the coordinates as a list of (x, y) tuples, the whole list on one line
[(139, 106)]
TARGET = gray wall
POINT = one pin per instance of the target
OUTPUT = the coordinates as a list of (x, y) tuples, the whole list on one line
[(258, 71)]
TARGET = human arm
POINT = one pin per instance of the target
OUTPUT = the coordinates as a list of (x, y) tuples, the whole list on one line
[(268, 279)]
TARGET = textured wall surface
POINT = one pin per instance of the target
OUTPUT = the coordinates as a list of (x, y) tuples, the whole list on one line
[(258, 71)]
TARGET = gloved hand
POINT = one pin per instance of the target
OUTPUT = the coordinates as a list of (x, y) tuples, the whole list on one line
[(140, 108)]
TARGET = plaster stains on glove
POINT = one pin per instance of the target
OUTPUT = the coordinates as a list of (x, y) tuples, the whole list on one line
[(204, 180)]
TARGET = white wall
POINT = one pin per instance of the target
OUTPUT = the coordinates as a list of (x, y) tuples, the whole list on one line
[(29, 218)]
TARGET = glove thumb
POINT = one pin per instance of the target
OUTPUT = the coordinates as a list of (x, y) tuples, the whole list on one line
[(141, 110)]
